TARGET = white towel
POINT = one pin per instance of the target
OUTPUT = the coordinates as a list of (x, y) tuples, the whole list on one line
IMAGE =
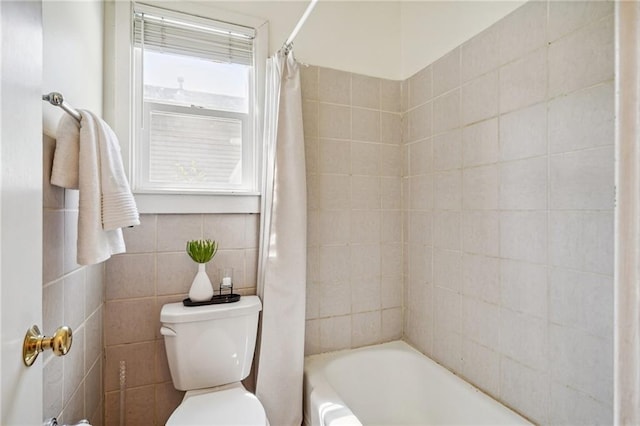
[(65, 158), (106, 203)]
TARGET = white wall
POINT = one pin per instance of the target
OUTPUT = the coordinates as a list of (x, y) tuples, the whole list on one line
[(72, 56)]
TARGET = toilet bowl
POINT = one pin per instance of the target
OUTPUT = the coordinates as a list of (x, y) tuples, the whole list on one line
[(210, 350), (231, 406)]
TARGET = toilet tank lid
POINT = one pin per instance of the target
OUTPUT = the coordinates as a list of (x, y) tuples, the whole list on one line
[(176, 312)]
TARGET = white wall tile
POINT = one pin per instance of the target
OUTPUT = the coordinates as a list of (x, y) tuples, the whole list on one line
[(481, 232), (581, 240), (446, 230), (420, 227), (583, 119), (447, 349), (334, 86), (335, 333), (365, 158), (480, 143), (522, 31), (569, 406), (582, 361), (481, 322), (447, 188), (334, 227), (481, 366), (366, 328), (312, 337), (524, 339), (421, 192), (391, 193), (526, 389), (420, 157), (481, 54), (446, 72), (582, 300), (365, 91), (334, 192), (446, 112), (524, 82), (390, 164), (480, 98), (390, 128), (565, 17), (419, 88), (391, 324), (447, 270), (523, 237), (523, 133), (390, 95), (523, 184), (365, 125), (582, 180), (335, 156), (480, 188), (365, 295), (481, 278), (447, 150), (334, 121), (582, 59), (524, 287), (419, 122)]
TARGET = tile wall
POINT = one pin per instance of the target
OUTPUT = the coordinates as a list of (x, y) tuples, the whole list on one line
[(508, 172), (352, 129), (154, 271), (72, 295)]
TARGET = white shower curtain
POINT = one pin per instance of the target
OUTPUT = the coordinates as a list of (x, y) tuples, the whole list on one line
[(627, 228), (283, 247)]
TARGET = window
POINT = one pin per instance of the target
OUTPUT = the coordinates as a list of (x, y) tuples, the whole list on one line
[(194, 97), (194, 94)]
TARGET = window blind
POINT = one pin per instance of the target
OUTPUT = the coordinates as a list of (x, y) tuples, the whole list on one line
[(166, 31)]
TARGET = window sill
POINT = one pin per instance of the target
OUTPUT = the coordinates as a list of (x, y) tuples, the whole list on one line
[(197, 203)]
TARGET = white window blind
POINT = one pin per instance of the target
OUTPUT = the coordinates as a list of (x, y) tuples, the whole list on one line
[(194, 103), (164, 31)]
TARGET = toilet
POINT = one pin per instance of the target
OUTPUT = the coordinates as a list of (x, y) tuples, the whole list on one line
[(210, 350)]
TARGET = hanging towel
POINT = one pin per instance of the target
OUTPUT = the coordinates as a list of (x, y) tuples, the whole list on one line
[(106, 203), (65, 158)]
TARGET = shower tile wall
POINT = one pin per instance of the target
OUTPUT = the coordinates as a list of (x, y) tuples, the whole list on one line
[(354, 279), (72, 295), (154, 271), (508, 172)]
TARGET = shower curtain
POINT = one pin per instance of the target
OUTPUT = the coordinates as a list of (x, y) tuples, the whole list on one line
[(283, 247), (627, 228)]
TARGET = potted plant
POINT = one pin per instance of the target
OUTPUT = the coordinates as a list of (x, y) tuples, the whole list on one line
[(201, 251)]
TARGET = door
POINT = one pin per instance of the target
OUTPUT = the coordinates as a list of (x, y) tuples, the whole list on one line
[(20, 207)]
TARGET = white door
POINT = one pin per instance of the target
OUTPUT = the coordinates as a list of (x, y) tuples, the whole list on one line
[(20, 207)]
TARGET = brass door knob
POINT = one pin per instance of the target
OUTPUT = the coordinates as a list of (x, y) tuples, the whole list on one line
[(34, 343)]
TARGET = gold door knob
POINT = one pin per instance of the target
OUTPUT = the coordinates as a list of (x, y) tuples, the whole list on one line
[(34, 343)]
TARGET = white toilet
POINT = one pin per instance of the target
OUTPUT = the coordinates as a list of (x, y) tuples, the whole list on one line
[(210, 350)]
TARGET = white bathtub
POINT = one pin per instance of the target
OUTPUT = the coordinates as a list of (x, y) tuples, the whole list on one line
[(393, 384)]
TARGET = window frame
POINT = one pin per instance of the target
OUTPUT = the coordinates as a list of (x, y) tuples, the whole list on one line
[(119, 108)]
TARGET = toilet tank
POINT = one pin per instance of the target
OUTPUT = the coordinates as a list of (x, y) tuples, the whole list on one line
[(211, 345)]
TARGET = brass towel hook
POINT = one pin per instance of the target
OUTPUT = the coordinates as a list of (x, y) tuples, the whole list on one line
[(34, 343)]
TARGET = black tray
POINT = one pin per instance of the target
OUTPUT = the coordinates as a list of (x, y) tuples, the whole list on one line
[(215, 300)]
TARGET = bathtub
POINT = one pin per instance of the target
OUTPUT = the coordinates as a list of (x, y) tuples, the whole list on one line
[(393, 384)]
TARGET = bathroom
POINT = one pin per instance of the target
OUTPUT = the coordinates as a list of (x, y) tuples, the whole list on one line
[(460, 184)]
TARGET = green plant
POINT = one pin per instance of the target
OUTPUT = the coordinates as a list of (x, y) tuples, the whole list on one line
[(201, 251)]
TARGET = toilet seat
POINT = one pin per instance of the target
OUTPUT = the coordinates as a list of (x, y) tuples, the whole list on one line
[(226, 407)]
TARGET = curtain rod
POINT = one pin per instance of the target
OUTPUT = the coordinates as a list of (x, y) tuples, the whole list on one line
[(288, 45), (56, 99)]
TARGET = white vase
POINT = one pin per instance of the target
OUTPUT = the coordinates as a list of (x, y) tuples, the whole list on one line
[(201, 288)]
